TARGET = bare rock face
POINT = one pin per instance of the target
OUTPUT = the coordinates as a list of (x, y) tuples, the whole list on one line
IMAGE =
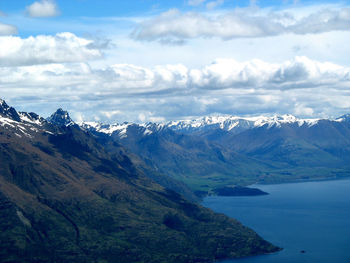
[(61, 118), (8, 112)]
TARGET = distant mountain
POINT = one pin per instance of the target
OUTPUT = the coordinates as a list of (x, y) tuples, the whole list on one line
[(60, 117), (8, 112), (67, 197), (232, 124), (210, 152), (301, 152), (199, 163), (344, 118)]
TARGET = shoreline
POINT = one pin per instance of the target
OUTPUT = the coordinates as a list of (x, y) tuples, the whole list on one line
[(296, 181), (257, 184)]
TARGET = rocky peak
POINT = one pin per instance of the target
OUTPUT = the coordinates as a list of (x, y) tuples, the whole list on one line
[(8, 112), (344, 118), (60, 117)]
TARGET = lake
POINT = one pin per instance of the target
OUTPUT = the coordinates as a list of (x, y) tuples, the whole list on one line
[(310, 216)]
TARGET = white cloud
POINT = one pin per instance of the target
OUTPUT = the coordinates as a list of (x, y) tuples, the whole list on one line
[(209, 4), (7, 29), (195, 2), (323, 21), (222, 74), (175, 26), (111, 114), (213, 4), (43, 8), (125, 92), (63, 47)]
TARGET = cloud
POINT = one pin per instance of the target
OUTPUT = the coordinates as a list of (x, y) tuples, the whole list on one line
[(323, 21), (213, 4), (223, 74), (7, 29), (195, 2), (43, 8), (209, 4), (42, 49), (111, 114), (176, 26), (125, 92), (300, 72)]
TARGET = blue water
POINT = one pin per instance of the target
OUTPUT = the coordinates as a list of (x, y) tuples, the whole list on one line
[(311, 216)]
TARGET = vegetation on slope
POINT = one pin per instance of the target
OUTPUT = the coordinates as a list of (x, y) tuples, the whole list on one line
[(63, 198)]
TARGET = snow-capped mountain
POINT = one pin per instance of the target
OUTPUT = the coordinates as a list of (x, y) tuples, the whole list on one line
[(21, 123), (236, 124), (254, 148), (24, 124), (8, 112), (61, 118), (232, 124), (121, 130), (344, 118)]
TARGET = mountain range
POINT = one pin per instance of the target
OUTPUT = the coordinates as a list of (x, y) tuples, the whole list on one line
[(216, 151), (69, 195)]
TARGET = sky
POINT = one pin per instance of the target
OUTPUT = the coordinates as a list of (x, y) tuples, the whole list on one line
[(143, 60)]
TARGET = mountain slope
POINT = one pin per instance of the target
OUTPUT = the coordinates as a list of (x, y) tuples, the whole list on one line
[(201, 164), (63, 198), (216, 151), (299, 152)]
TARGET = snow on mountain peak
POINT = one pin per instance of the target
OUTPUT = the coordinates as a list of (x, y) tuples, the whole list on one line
[(8, 112), (234, 124), (230, 123), (344, 118), (109, 129), (61, 117)]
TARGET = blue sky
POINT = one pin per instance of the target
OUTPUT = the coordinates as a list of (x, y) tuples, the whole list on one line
[(78, 11), (144, 60)]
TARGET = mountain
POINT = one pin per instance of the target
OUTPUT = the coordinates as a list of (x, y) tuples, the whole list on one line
[(216, 151), (65, 198), (234, 124), (61, 118), (199, 163), (344, 118), (319, 151), (7, 111)]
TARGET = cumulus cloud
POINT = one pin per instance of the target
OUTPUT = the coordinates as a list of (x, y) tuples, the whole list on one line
[(300, 72), (43, 8), (176, 26), (7, 29), (42, 49), (126, 92)]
